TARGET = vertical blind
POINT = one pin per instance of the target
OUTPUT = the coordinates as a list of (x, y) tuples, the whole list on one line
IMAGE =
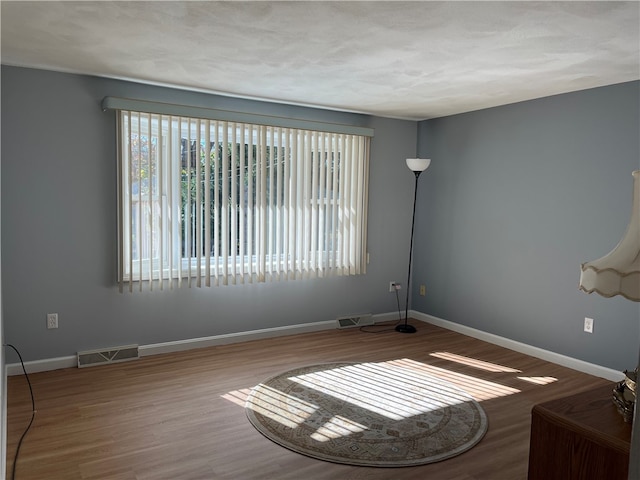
[(212, 202)]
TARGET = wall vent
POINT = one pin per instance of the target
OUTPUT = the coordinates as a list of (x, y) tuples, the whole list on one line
[(355, 320), (89, 358)]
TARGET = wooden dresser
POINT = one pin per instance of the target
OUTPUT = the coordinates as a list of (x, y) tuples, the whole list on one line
[(580, 437)]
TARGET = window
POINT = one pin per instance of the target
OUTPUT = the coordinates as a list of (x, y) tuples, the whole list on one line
[(214, 202)]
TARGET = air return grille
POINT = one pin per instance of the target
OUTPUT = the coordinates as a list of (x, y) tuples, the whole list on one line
[(90, 358), (355, 320)]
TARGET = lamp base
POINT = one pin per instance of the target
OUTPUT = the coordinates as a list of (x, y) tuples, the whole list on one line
[(405, 328)]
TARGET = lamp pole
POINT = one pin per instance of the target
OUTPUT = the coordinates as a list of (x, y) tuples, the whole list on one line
[(405, 327)]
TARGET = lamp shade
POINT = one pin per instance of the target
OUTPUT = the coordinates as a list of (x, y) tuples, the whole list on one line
[(618, 272), (418, 164)]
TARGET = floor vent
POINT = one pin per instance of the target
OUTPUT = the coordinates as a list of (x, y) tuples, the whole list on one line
[(89, 358), (355, 320)]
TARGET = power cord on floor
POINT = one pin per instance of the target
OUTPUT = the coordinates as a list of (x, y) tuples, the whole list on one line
[(382, 330), (33, 412)]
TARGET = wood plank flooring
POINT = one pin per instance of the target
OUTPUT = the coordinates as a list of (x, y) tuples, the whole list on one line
[(180, 415)]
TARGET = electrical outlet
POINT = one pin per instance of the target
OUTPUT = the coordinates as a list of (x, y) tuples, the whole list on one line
[(52, 320), (423, 290), (392, 286), (588, 325)]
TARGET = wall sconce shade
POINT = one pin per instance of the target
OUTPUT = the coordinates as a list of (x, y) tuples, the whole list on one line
[(618, 272)]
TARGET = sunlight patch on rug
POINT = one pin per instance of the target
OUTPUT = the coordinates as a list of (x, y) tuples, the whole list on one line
[(336, 427), (377, 414), (382, 388)]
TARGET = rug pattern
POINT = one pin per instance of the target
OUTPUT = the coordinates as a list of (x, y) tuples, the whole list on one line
[(386, 414)]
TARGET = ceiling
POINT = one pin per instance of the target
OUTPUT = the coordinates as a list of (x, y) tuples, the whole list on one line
[(412, 60)]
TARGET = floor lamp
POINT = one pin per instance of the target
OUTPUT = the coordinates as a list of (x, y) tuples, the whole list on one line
[(417, 166), (618, 273)]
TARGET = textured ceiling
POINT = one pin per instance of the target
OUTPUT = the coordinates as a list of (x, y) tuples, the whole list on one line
[(411, 60)]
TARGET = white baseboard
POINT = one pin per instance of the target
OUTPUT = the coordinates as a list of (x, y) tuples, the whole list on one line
[(569, 362), (202, 342), (191, 343), (43, 365)]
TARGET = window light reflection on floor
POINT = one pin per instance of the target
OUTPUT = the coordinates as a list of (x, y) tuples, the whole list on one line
[(539, 380), (239, 397), (472, 362), (476, 387)]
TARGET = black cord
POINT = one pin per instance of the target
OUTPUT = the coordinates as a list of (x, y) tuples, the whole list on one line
[(33, 412), (362, 329)]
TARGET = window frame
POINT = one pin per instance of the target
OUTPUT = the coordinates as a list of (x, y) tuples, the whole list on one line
[(189, 267)]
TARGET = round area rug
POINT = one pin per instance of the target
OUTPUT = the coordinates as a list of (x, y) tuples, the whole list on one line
[(387, 414)]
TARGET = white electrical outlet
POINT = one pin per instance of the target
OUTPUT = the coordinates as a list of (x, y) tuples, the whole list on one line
[(588, 325), (52, 320), (392, 286)]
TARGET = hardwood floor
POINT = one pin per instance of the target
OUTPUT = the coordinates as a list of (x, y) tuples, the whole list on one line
[(180, 415)]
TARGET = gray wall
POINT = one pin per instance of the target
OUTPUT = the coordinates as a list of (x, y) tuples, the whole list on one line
[(517, 197), (3, 380), (59, 226)]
